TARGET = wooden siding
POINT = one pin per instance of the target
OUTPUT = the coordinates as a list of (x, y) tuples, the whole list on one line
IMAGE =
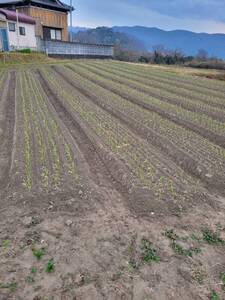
[(3, 24), (50, 18)]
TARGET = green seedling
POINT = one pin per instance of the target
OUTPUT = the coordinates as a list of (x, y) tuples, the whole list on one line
[(170, 234), (6, 244), (212, 238), (38, 253), (214, 296), (33, 270), (50, 266), (148, 253), (30, 279), (180, 250)]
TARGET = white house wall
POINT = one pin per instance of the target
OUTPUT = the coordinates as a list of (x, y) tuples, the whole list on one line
[(23, 41)]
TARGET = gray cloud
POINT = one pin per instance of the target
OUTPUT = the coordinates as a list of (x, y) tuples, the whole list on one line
[(195, 15)]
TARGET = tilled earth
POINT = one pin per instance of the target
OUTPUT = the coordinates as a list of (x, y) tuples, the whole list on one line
[(80, 217)]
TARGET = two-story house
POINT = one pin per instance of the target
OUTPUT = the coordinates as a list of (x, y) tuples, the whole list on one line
[(50, 16), (17, 31)]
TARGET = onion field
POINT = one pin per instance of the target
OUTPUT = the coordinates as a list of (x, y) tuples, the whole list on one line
[(146, 139)]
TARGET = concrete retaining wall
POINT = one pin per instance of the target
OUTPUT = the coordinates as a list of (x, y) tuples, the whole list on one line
[(67, 49)]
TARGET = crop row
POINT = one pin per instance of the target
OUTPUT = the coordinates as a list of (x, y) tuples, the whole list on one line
[(139, 90), (189, 81), (199, 123), (208, 155), (42, 150), (149, 165), (3, 76), (168, 92)]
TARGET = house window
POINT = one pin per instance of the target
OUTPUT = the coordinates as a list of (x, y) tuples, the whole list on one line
[(56, 34), (12, 26), (22, 30)]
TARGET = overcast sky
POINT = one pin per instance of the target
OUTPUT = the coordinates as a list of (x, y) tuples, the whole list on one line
[(194, 15)]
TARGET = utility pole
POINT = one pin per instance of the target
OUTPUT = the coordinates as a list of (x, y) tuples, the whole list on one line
[(71, 20)]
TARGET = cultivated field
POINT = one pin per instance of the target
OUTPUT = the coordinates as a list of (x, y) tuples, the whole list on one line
[(112, 180)]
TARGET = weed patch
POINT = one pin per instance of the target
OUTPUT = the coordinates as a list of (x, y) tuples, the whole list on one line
[(50, 266), (148, 253), (38, 253), (212, 238)]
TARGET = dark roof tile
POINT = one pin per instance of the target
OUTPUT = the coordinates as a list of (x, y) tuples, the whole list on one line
[(11, 16)]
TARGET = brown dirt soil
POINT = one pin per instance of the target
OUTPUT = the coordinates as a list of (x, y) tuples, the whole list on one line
[(104, 236)]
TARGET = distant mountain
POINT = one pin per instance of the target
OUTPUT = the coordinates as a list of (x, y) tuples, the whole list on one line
[(105, 35), (77, 29), (187, 41)]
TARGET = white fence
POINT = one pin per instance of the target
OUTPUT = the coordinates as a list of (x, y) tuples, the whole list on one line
[(58, 48)]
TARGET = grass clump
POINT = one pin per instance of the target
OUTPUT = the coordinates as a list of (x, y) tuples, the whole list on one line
[(180, 250), (147, 252), (38, 253), (170, 234), (50, 266), (177, 248)]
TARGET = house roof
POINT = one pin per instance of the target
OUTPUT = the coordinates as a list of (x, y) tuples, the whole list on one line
[(2, 17), (11, 16), (50, 4)]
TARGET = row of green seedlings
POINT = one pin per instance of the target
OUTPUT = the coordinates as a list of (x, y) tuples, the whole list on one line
[(38, 132), (189, 81), (39, 121), (46, 142), (169, 91), (54, 136), (170, 85), (2, 79), (201, 149), (28, 155), (139, 156), (54, 129), (125, 87)]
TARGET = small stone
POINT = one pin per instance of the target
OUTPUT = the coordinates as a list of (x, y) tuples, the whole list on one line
[(79, 279), (69, 223), (152, 213), (27, 221), (71, 201), (199, 169), (50, 207), (208, 175), (80, 193)]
